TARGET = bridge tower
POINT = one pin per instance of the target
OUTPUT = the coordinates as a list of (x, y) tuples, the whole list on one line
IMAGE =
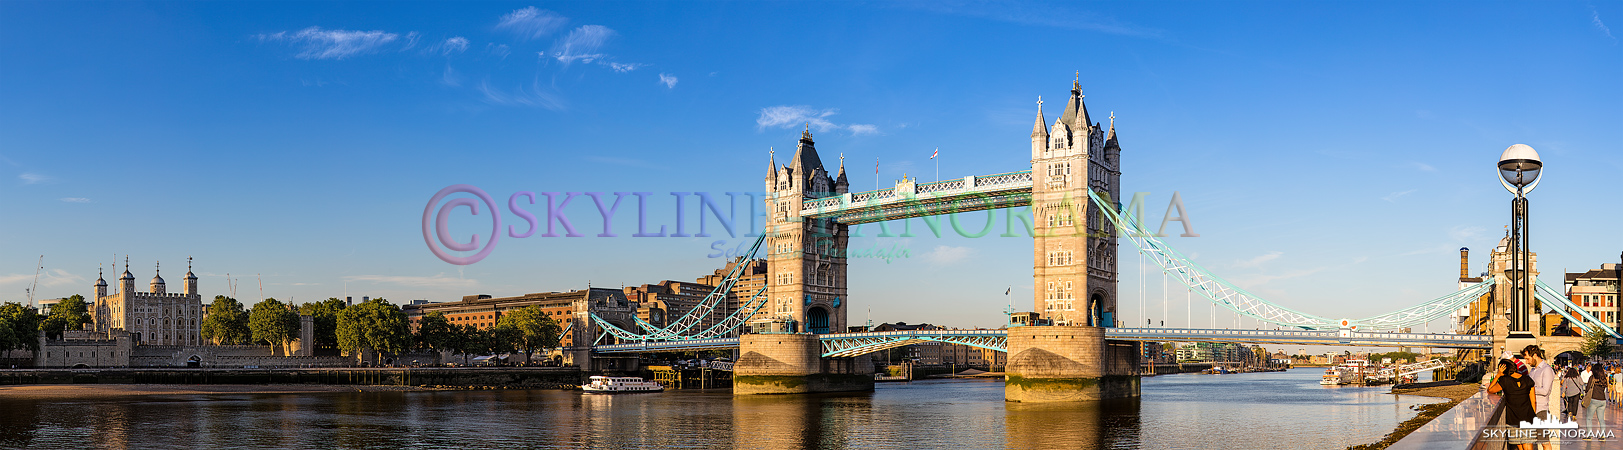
[(1074, 268), (1074, 250), (806, 262)]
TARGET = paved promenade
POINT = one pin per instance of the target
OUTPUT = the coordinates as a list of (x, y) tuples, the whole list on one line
[(1463, 427)]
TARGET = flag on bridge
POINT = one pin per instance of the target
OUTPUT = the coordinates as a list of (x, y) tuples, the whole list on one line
[(937, 153), (1006, 291)]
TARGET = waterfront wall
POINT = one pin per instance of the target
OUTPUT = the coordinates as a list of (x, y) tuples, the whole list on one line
[(1067, 364), (793, 364), (525, 377)]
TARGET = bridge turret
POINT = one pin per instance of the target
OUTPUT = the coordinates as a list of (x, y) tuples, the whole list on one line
[(1039, 132)]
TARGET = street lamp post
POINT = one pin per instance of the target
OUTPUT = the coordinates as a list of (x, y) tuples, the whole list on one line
[(1519, 169)]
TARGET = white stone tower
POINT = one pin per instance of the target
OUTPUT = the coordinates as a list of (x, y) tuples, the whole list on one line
[(1074, 249), (806, 263)]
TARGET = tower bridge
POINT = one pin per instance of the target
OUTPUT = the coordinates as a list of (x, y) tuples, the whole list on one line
[(1073, 190)]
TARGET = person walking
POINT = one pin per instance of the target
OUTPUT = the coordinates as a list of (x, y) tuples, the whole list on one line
[(1517, 390), (1572, 388), (1599, 385)]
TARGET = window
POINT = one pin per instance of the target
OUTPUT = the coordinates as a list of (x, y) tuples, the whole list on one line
[(1058, 174), (1059, 258)]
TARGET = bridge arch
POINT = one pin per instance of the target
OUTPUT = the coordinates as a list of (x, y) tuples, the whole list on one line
[(817, 320)]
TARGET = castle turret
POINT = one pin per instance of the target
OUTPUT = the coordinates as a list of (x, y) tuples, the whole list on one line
[(126, 283), (191, 280), (157, 281), (101, 285)]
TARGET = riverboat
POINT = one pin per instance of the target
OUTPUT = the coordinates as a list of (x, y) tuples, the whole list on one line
[(615, 385), (1336, 376)]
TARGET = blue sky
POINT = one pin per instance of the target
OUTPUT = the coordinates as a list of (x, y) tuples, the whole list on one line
[(1333, 157)]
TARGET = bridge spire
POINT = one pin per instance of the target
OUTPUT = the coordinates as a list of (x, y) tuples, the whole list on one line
[(1040, 129)]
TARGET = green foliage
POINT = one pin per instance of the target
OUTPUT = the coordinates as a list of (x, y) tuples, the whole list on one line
[(1596, 345), (325, 315), (437, 333), (530, 329), (502, 338), (374, 324), (21, 327), (226, 322), (273, 322), (71, 313), (1396, 357)]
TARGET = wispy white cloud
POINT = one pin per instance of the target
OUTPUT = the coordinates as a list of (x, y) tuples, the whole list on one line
[(332, 44), (34, 178), (1594, 18), (47, 278), (498, 50), (622, 67), (1259, 260), (794, 116), (531, 23), (582, 44), (75, 199), (1423, 167), (440, 280), (668, 80), (1393, 197), (450, 78), (1257, 281), (456, 44), (785, 116), (944, 254), (411, 41), (533, 95), (1058, 16), (1468, 233)]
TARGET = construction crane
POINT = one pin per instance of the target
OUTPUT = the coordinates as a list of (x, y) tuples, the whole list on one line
[(35, 285)]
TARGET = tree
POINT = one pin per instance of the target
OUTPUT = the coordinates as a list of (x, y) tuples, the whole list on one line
[(467, 339), (436, 332), (532, 329), (273, 322), (21, 327), (1595, 345), (226, 323), (71, 313), (374, 324), (325, 316)]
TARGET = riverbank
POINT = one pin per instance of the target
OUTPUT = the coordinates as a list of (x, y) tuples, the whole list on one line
[(509, 377), (1454, 394), (71, 391)]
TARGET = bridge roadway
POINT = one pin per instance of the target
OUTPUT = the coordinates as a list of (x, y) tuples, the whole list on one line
[(854, 344)]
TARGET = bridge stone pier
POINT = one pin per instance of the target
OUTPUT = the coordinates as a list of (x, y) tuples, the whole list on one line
[(1068, 364), (793, 364)]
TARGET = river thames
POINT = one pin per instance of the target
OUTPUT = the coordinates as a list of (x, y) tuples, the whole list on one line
[(1260, 410)]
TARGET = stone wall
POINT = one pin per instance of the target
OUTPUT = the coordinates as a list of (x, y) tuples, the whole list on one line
[(1068, 363), (85, 348), (226, 356), (793, 364)]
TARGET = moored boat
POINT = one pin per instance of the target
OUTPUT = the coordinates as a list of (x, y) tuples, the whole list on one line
[(615, 385)]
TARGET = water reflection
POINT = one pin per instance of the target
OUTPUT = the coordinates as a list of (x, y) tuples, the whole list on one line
[(1107, 424), (1177, 411)]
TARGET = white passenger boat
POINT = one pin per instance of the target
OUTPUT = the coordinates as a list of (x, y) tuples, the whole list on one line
[(614, 385), (1336, 376)]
